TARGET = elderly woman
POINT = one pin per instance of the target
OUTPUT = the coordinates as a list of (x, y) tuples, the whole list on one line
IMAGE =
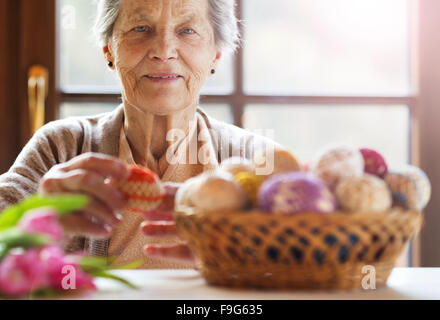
[(163, 51)]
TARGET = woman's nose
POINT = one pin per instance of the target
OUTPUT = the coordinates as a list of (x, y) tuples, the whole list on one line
[(163, 47)]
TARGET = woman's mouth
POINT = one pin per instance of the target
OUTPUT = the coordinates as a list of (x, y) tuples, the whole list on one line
[(163, 77)]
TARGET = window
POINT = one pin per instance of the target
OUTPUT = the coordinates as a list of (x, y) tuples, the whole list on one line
[(339, 66), (316, 72)]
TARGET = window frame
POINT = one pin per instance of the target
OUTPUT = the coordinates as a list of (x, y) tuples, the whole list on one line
[(238, 99)]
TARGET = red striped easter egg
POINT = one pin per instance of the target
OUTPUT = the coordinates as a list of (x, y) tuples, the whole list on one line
[(143, 189)]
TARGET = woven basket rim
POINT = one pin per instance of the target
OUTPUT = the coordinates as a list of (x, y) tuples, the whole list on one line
[(184, 210)]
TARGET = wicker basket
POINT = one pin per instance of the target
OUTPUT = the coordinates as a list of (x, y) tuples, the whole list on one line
[(255, 249)]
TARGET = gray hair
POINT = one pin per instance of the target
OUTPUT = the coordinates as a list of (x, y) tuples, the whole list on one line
[(221, 12)]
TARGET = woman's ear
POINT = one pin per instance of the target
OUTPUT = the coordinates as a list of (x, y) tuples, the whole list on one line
[(108, 56), (217, 58)]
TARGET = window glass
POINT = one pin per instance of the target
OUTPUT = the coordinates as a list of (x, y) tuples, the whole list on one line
[(322, 47), (305, 129), (220, 112)]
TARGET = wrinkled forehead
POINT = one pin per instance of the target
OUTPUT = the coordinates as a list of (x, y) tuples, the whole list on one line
[(137, 10)]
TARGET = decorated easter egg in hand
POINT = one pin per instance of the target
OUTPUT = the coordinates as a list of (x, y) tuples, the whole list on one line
[(295, 192), (410, 188), (236, 165), (213, 190), (251, 184), (335, 164), (143, 189), (367, 193), (374, 162)]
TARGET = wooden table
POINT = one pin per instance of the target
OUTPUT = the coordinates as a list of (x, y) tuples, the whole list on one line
[(403, 283)]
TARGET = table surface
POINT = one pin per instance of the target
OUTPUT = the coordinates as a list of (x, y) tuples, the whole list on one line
[(403, 283)]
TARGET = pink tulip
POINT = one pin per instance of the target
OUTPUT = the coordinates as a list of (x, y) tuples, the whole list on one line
[(22, 273), (43, 220), (63, 272)]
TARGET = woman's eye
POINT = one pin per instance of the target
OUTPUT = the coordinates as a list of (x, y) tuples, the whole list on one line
[(140, 28), (188, 31)]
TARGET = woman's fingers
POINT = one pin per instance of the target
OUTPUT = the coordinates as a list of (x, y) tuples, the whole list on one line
[(105, 214), (97, 176), (103, 165), (93, 184), (158, 230), (179, 253), (78, 224), (176, 253)]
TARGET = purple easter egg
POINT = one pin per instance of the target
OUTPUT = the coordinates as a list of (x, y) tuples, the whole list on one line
[(295, 192)]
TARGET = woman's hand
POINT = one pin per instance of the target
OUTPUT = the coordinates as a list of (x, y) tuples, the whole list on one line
[(95, 175), (160, 223)]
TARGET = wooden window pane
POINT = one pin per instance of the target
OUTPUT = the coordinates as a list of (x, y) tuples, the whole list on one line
[(218, 111), (84, 109)]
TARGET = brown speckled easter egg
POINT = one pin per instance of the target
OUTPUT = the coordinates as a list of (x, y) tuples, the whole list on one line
[(410, 187), (367, 193), (335, 164), (213, 190)]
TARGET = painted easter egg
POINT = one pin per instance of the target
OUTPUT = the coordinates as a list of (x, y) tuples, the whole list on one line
[(295, 192), (374, 163), (367, 193), (235, 165), (143, 189), (251, 184), (410, 188), (335, 164), (214, 190), (275, 161), (184, 194)]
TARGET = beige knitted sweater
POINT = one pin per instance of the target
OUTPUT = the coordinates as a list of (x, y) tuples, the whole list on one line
[(62, 140)]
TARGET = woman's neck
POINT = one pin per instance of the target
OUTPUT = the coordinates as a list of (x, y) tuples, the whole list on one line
[(147, 132)]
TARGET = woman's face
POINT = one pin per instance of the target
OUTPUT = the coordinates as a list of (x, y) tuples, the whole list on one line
[(163, 51)]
